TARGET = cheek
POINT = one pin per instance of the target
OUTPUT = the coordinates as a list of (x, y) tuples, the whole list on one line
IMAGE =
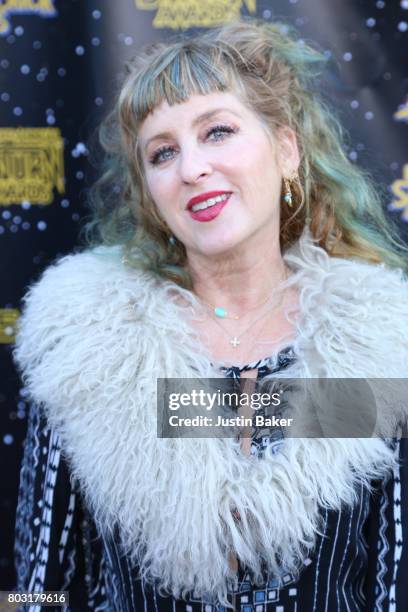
[(159, 190), (252, 158), (239, 162), (165, 197)]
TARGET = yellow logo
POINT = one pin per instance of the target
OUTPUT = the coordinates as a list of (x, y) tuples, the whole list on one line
[(400, 190), (45, 8), (8, 324), (31, 165), (185, 14), (402, 113)]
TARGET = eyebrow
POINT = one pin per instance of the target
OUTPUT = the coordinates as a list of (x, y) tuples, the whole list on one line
[(200, 119)]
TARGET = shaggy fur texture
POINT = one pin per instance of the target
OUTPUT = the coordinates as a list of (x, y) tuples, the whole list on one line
[(94, 337)]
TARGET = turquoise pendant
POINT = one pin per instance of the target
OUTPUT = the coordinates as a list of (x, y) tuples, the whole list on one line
[(220, 312)]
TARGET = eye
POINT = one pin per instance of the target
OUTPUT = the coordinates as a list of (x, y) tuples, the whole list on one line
[(220, 132), (216, 133), (161, 155)]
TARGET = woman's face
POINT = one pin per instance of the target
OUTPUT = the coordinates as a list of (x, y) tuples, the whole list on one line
[(215, 172)]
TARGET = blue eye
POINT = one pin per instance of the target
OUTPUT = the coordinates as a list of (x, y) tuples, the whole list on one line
[(220, 130), (161, 155)]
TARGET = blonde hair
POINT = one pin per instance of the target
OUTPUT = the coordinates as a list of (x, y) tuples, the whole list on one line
[(274, 73)]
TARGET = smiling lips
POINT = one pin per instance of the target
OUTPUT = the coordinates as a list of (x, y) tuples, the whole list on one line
[(208, 206)]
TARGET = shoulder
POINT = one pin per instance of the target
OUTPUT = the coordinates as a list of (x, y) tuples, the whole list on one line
[(377, 287), (79, 300), (87, 280), (353, 311), (75, 271), (52, 301)]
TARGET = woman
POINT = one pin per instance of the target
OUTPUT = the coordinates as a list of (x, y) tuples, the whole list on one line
[(238, 241)]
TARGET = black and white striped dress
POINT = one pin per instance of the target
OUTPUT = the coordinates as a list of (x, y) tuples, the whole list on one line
[(360, 561)]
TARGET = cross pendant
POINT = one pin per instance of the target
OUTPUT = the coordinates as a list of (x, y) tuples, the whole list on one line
[(235, 342)]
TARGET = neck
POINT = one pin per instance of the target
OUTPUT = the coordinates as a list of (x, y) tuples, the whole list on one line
[(237, 283)]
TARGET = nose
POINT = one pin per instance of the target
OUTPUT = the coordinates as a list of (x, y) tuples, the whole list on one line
[(193, 165)]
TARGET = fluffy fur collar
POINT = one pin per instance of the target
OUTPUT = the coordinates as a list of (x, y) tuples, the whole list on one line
[(94, 336)]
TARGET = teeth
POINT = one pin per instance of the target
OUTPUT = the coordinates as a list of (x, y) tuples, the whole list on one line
[(210, 202)]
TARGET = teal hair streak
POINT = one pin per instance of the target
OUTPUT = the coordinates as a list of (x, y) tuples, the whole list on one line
[(275, 75)]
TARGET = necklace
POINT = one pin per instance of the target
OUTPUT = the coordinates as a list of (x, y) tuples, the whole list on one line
[(222, 313), (236, 339)]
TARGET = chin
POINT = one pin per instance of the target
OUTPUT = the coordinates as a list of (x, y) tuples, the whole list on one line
[(219, 246)]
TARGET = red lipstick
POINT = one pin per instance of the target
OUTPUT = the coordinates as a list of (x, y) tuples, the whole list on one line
[(210, 213)]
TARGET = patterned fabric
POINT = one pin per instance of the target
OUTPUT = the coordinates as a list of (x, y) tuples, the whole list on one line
[(358, 564), (262, 437)]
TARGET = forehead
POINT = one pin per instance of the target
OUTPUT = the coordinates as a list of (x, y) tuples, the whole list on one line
[(165, 116)]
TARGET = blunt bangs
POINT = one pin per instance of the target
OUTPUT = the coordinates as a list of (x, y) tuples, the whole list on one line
[(180, 72)]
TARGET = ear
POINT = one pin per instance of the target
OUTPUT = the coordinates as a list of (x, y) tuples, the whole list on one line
[(288, 151)]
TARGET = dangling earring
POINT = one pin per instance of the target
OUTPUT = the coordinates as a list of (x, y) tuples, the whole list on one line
[(288, 192), (172, 240)]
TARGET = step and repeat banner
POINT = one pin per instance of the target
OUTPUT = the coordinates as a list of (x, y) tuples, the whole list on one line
[(60, 65)]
